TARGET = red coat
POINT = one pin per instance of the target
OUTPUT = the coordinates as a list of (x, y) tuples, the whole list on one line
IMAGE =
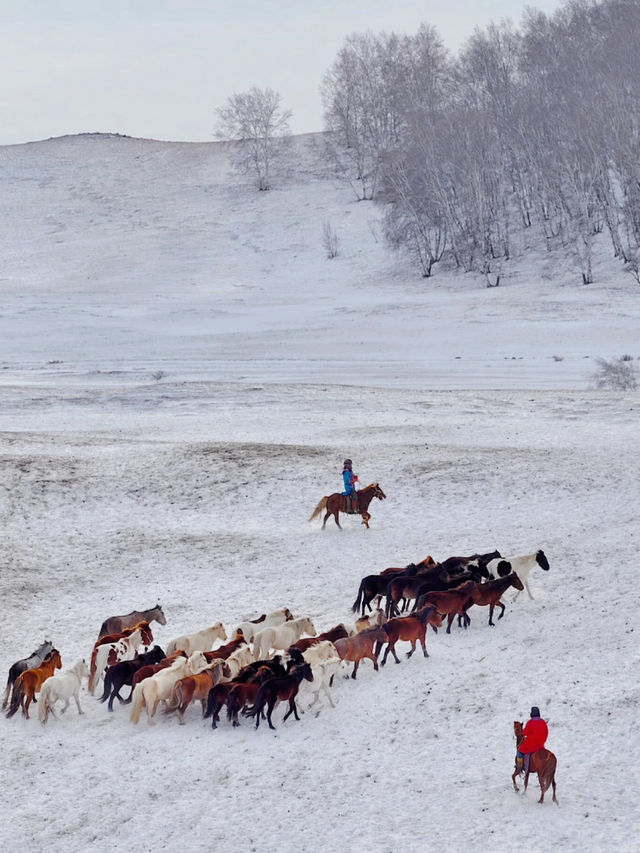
[(535, 736)]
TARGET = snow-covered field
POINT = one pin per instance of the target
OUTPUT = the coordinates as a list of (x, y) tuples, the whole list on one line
[(182, 374)]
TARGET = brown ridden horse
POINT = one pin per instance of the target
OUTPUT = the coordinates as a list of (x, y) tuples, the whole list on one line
[(277, 690), (29, 682), (543, 762), (147, 639), (450, 602), (411, 628), (116, 624), (367, 644), (490, 593), (193, 687), (336, 503), (337, 633)]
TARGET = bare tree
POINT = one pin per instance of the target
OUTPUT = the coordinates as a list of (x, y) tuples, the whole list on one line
[(259, 127), (329, 239)]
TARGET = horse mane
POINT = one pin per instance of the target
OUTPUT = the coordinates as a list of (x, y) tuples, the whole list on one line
[(370, 486)]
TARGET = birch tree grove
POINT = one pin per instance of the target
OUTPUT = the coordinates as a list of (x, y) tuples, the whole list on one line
[(536, 127)]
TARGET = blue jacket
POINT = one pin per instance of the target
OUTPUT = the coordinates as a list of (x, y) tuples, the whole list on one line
[(349, 482)]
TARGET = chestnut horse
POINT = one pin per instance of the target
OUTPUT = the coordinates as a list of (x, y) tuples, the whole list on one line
[(411, 628), (489, 593), (337, 633), (29, 682), (367, 644), (193, 687), (336, 503), (450, 602), (117, 624), (543, 762)]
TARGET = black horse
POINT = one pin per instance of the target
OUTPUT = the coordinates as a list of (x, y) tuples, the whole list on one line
[(34, 660), (121, 674)]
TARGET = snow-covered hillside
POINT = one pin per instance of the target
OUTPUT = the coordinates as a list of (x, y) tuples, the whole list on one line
[(183, 372)]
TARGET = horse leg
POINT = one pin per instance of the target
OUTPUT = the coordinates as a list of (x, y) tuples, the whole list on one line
[(491, 606), (452, 616), (516, 772), (413, 648), (269, 712), (374, 658), (500, 604), (355, 669), (391, 649), (325, 519), (77, 698), (66, 705), (526, 586), (423, 642)]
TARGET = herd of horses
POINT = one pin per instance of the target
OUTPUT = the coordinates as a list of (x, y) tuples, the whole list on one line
[(269, 659)]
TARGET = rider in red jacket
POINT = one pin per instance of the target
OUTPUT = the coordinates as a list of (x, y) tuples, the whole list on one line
[(535, 736)]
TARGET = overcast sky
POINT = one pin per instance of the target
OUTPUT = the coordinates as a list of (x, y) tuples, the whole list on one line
[(159, 68)]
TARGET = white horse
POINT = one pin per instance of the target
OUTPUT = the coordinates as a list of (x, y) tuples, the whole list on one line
[(324, 672), (238, 660), (158, 688), (201, 641), (503, 566), (281, 636), (270, 620), (124, 649), (65, 685), (373, 620)]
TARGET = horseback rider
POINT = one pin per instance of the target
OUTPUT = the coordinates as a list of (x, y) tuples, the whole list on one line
[(350, 479), (535, 736)]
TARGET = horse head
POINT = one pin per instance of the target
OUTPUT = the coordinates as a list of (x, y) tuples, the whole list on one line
[(161, 619), (377, 492), (288, 615), (515, 580), (518, 730), (541, 560)]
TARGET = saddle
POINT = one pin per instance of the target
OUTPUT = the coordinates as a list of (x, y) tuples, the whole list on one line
[(352, 504)]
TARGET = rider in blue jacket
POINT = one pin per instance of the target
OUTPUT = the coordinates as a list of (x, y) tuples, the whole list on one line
[(350, 479)]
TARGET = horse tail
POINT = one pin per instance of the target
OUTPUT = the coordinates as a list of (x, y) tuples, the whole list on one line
[(7, 691), (322, 505), (108, 679), (138, 703), (356, 604), (256, 708), (16, 697), (92, 671), (176, 698)]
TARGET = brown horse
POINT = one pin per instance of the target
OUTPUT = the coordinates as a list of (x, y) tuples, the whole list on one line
[(336, 503), (367, 644), (193, 687), (277, 690), (116, 624), (450, 602), (489, 593), (223, 652), (29, 682), (411, 629), (427, 563), (245, 693), (543, 762), (337, 633)]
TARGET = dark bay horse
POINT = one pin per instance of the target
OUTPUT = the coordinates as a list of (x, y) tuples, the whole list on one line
[(277, 690), (337, 503), (543, 762)]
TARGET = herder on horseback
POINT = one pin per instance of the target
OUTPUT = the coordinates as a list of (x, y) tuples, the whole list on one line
[(350, 479)]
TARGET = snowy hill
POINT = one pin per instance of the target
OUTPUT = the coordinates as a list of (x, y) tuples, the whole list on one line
[(130, 250), (183, 372)]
